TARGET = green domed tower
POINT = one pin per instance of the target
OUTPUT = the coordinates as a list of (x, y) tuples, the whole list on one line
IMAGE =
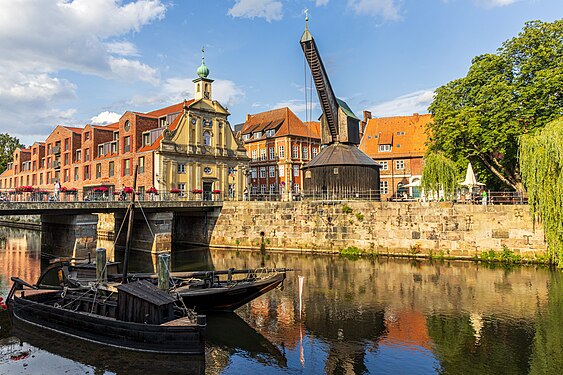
[(202, 84)]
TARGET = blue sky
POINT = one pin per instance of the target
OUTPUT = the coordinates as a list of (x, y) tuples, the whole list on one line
[(88, 61)]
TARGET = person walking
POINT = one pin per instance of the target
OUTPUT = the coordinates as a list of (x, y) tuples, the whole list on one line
[(484, 199)]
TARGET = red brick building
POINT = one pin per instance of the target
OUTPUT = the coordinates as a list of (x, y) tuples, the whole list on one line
[(188, 146), (278, 144), (398, 143)]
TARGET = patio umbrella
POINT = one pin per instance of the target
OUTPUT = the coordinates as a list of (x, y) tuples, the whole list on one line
[(470, 180)]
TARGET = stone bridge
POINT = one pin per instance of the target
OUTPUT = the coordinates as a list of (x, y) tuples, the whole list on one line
[(76, 228)]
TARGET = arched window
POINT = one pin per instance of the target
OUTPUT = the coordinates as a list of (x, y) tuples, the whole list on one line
[(206, 138), (198, 87)]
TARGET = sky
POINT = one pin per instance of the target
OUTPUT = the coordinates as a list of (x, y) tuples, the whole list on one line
[(72, 63)]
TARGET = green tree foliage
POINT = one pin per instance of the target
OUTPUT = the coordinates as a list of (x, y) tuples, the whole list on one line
[(8, 145), (439, 174), (541, 162), (479, 117)]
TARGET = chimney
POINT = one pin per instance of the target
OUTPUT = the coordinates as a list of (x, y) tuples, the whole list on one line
[(364, 122), (248, 116)]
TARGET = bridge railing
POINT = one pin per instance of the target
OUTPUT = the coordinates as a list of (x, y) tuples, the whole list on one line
[(106, 196)]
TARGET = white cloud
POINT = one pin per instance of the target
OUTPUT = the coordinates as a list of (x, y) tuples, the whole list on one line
[(298, 107), (105, 117), (321, 2), (388, 9), (40, 39), (271, 10), (415, 102), (123, 48), (176, 89), (495, 3)]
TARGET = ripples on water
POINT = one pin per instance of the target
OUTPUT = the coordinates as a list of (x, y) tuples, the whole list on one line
[(387, 316)]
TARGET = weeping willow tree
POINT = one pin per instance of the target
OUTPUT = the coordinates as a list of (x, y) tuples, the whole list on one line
[(439, 175), (541, 164)]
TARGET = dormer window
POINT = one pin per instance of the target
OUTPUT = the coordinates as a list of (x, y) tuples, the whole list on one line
[(270, 133), (246, 137), (384, 148), (257, 135)]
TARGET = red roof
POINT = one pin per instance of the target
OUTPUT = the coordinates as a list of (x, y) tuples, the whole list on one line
[(170, 109), (74, 129), (406, 135), (282, 119)]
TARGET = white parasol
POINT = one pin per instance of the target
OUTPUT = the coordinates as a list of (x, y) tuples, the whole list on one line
[(470, 180)]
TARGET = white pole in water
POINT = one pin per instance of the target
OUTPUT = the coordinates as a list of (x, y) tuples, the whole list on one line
[(163, 271), (301, 278)]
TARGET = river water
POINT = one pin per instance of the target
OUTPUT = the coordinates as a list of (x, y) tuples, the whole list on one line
[(355, 316)]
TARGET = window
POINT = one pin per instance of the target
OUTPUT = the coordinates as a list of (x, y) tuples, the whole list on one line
[(254, 189), (114, 147), (314, 151), (281, 152), (206, 138), (111, 168), (384, 148), (66, 160), (270, 133), (399, 164), (296, 170), (78, 156), (272, 171), (181, 167), (253, 172), (208, 170), (98, 170), (126, 167), (87, 172), (115, 136), (76, 175), (263, 154), (384, 187), (296, 188), (295, 152), (126, 144), (127, 126), (86, 136), (254, 155), (384, 165), (262, 172), (272, 188), (67, 143), (146, 139), (263, 189), (281, 171), (142, 165), (246, 137), (100, 150), (182, 187), (272, 153), (305, 152), (40, 178), (257, 135), (87, 155)]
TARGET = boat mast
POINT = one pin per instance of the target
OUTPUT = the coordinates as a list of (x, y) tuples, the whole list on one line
[(129, 228)]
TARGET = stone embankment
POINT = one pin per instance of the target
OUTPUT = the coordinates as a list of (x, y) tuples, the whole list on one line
[(393, 228)]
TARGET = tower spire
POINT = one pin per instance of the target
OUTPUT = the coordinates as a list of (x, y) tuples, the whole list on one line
[(306, 34), (203, 71)]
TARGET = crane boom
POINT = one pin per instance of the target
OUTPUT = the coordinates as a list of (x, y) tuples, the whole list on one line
[(338, 123)]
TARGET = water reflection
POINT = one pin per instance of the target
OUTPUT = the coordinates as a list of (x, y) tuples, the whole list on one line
[(364, 316)]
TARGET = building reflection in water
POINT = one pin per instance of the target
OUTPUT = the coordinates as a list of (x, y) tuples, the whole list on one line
[(369, 315)]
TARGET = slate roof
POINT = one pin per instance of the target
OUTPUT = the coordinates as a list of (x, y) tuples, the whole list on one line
[(340, 154)]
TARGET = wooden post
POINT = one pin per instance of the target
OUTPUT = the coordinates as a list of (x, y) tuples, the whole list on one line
[(163, 270), (129, 228), (101, 269)]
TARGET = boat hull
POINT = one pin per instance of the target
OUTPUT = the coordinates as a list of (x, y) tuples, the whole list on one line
[(171, 339), (228, 298)]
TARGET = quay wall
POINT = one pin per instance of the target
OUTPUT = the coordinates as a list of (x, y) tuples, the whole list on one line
[(393, 228)]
